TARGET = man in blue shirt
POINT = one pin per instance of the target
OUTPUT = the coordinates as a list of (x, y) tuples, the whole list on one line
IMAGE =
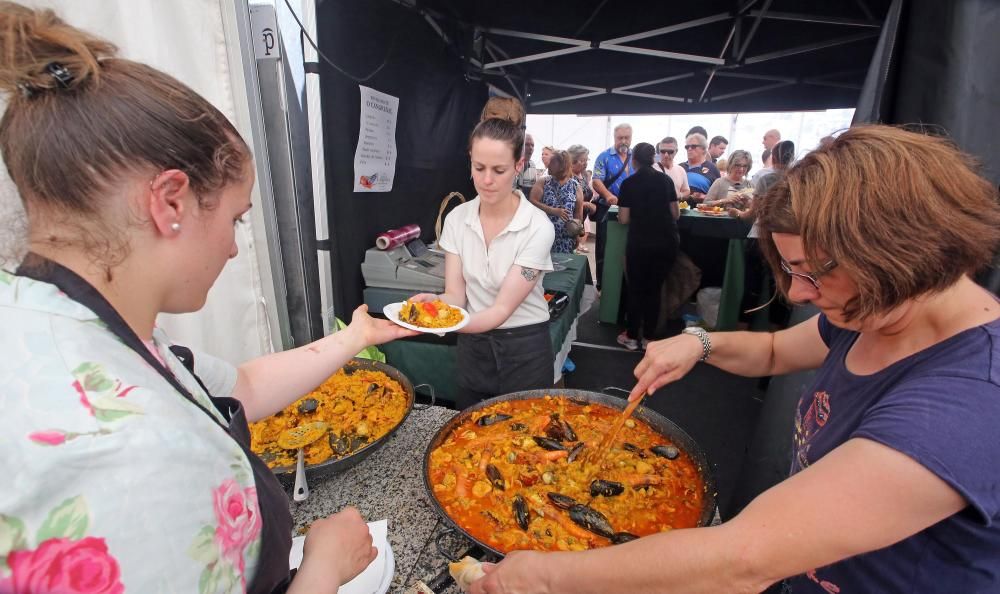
[(610, 170), (700, 170)]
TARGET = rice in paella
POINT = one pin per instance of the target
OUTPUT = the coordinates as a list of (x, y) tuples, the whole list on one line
[(360, 407), (434, 314)]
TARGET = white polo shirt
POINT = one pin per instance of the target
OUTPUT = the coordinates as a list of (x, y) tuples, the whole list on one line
[(526, 241)]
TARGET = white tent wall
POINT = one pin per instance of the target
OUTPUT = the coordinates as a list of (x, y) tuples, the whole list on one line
[(194, 41)]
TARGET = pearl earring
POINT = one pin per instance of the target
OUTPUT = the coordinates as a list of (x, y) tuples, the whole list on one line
[(175, 227)]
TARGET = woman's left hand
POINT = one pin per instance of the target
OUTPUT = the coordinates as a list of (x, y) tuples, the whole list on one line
[(735, 213), (565, 214), (373, 331), (521, 572)]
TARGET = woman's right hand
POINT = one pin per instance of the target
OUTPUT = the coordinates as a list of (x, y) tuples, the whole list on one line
[(666, 361), (424, 298), (339, 544), (564, 213)]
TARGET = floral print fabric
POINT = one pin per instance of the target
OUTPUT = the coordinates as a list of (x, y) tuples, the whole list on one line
[(559, 195), (114, 481)]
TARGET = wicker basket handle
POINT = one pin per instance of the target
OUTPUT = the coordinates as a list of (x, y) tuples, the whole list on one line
[(439, 224)]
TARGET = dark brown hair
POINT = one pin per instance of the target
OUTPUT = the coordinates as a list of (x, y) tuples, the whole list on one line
[(502, 119), (903, 213), (560, 164), (67, 140), (643, 154)]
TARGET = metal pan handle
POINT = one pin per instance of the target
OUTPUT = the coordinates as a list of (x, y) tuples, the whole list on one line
[(430, 388), (609, 389), (442, 548)]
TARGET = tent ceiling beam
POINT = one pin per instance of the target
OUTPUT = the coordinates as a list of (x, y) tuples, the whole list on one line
[(493, 51), (592, 16), (758, 17), (664, 30), (539, 37), (864, 8), (569, 98), (751, 91), (662, 54), (809, 47), (555, 83), (615, 44), (652, 96), (653, 82), (815, 18), (748, 76), (733, 30), (534, 57)]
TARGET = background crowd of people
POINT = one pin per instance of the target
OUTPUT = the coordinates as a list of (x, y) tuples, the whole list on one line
[(575, 198)]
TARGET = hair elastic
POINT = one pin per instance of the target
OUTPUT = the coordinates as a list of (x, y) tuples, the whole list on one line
[(59, 72)]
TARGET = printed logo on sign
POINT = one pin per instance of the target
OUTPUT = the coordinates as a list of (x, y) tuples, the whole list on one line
[(368, 181)]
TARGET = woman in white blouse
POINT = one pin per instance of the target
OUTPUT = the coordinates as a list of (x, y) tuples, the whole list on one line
[(497, 248)]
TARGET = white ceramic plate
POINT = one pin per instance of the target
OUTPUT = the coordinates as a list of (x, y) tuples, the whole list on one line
[(391, 311), (375, 579)]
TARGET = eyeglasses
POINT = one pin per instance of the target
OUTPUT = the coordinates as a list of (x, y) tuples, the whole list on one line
[(739, 166), (810, 277), (689, 147), (667, 151)]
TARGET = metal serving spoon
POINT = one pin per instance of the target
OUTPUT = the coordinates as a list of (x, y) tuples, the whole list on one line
[(298, 438)]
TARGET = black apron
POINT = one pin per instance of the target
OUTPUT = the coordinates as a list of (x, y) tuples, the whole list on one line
[(501, 361), (276, 521)]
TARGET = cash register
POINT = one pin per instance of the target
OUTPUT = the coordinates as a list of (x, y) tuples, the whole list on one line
[(395, 274)]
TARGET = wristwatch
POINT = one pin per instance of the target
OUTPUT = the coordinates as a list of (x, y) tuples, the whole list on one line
[(706, 344)]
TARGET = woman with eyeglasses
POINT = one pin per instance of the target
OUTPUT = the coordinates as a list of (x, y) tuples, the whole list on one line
[(667, 149), (729, 190), (894, 484)]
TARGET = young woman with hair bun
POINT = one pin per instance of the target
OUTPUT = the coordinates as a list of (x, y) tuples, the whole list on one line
[(497, 247), (126, 458)]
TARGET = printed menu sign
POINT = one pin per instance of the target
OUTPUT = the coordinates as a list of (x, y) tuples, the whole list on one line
[(375, 156)]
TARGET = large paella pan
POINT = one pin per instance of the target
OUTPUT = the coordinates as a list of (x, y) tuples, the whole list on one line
[(363, 404), (519, 471)]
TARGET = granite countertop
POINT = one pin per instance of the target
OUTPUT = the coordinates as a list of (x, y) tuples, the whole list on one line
[(389, 484)]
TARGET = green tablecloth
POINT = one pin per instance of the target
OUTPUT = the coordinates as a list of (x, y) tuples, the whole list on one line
[(697, 224), (431, 360)]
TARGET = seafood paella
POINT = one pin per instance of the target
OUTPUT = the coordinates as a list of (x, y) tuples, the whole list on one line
[(432, 314), (523, 474), (359, 407)]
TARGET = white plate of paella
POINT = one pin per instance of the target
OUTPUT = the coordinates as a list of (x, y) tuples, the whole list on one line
[(433, 317)]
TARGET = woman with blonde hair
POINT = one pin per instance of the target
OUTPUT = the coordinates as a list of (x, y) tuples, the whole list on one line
[(894, 485), (732, 188)]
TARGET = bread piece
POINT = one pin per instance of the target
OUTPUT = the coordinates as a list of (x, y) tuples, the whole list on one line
[(466, 571)]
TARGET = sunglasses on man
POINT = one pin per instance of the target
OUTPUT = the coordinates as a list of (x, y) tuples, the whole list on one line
[(689, 147), (667, 151)]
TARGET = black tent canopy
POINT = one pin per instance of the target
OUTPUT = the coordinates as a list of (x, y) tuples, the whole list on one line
[(594, 56), (559, 56)]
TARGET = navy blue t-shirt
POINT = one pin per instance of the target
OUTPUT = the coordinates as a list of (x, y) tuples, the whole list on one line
[(701, 177), (941, 407)]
